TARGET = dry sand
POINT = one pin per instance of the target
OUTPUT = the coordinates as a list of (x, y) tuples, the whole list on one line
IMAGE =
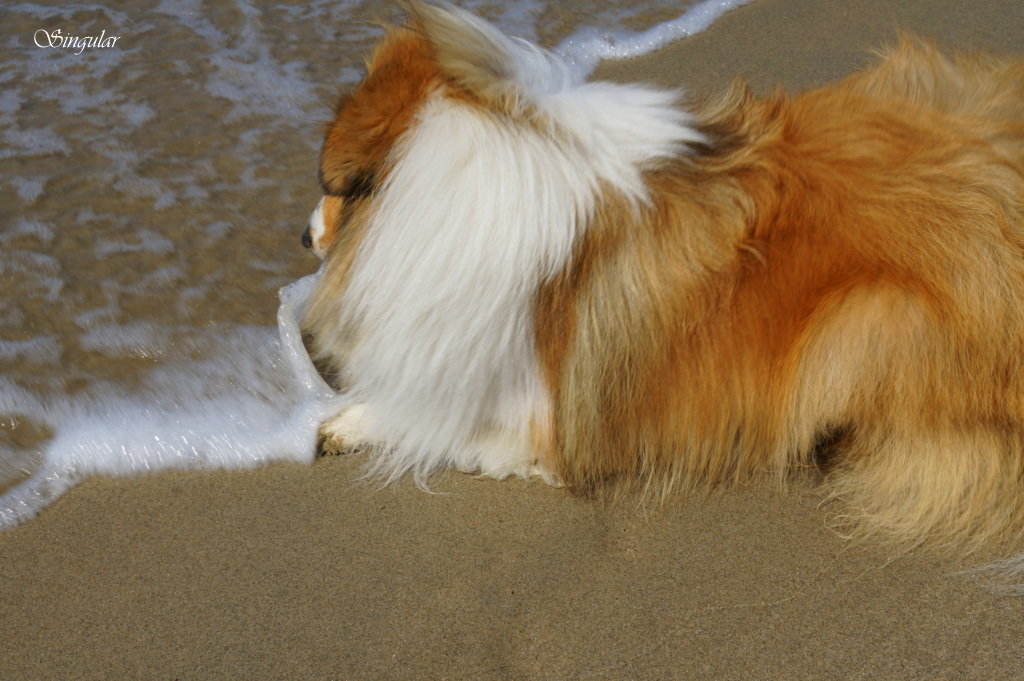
[(294, 572)]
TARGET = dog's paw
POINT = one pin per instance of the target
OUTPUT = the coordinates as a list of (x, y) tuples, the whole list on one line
[(343, 434), (536, 470)]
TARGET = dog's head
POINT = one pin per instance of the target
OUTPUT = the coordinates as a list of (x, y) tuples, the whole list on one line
[(489, 97), (440, 49)]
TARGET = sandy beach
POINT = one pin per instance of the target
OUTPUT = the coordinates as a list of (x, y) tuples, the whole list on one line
[(305, 572)]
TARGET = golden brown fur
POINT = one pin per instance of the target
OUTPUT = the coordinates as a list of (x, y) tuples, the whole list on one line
[(848, 265)]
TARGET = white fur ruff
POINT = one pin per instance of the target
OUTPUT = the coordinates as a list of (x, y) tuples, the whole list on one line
[(476, 213)]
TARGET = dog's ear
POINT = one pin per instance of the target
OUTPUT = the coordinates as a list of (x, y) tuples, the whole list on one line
[(480, 58)]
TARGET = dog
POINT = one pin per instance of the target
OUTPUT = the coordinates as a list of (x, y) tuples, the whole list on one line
[(604, 286)]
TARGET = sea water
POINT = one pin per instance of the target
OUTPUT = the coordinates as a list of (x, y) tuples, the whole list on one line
[(157, 164)]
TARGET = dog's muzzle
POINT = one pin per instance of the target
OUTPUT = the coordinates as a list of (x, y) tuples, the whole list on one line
[(307, 238)]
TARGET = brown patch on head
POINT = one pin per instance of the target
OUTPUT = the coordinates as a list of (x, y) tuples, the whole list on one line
[(438, 51), (439, 47), (368, 122), (400, 74)]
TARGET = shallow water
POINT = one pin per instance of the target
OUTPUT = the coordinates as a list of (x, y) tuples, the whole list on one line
[(154, 191)]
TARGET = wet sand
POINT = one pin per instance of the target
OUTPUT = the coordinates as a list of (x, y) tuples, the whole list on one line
[(293, 572)]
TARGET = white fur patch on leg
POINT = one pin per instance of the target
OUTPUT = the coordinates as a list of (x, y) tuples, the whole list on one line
[(497, 455), (345, 432), (500, 455)]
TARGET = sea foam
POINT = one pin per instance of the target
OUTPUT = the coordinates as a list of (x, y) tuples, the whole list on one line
[(588, 47), (258, 399)]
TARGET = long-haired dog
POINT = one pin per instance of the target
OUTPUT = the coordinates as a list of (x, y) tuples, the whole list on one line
[(526, 274)]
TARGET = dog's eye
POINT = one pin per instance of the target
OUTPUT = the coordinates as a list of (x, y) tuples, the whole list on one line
[(359, 186)]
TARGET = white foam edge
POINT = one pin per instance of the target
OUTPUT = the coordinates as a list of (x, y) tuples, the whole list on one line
[(588, 47), (122, 436)]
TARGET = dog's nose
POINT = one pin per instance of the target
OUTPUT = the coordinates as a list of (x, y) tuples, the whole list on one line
[(307, 239)]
